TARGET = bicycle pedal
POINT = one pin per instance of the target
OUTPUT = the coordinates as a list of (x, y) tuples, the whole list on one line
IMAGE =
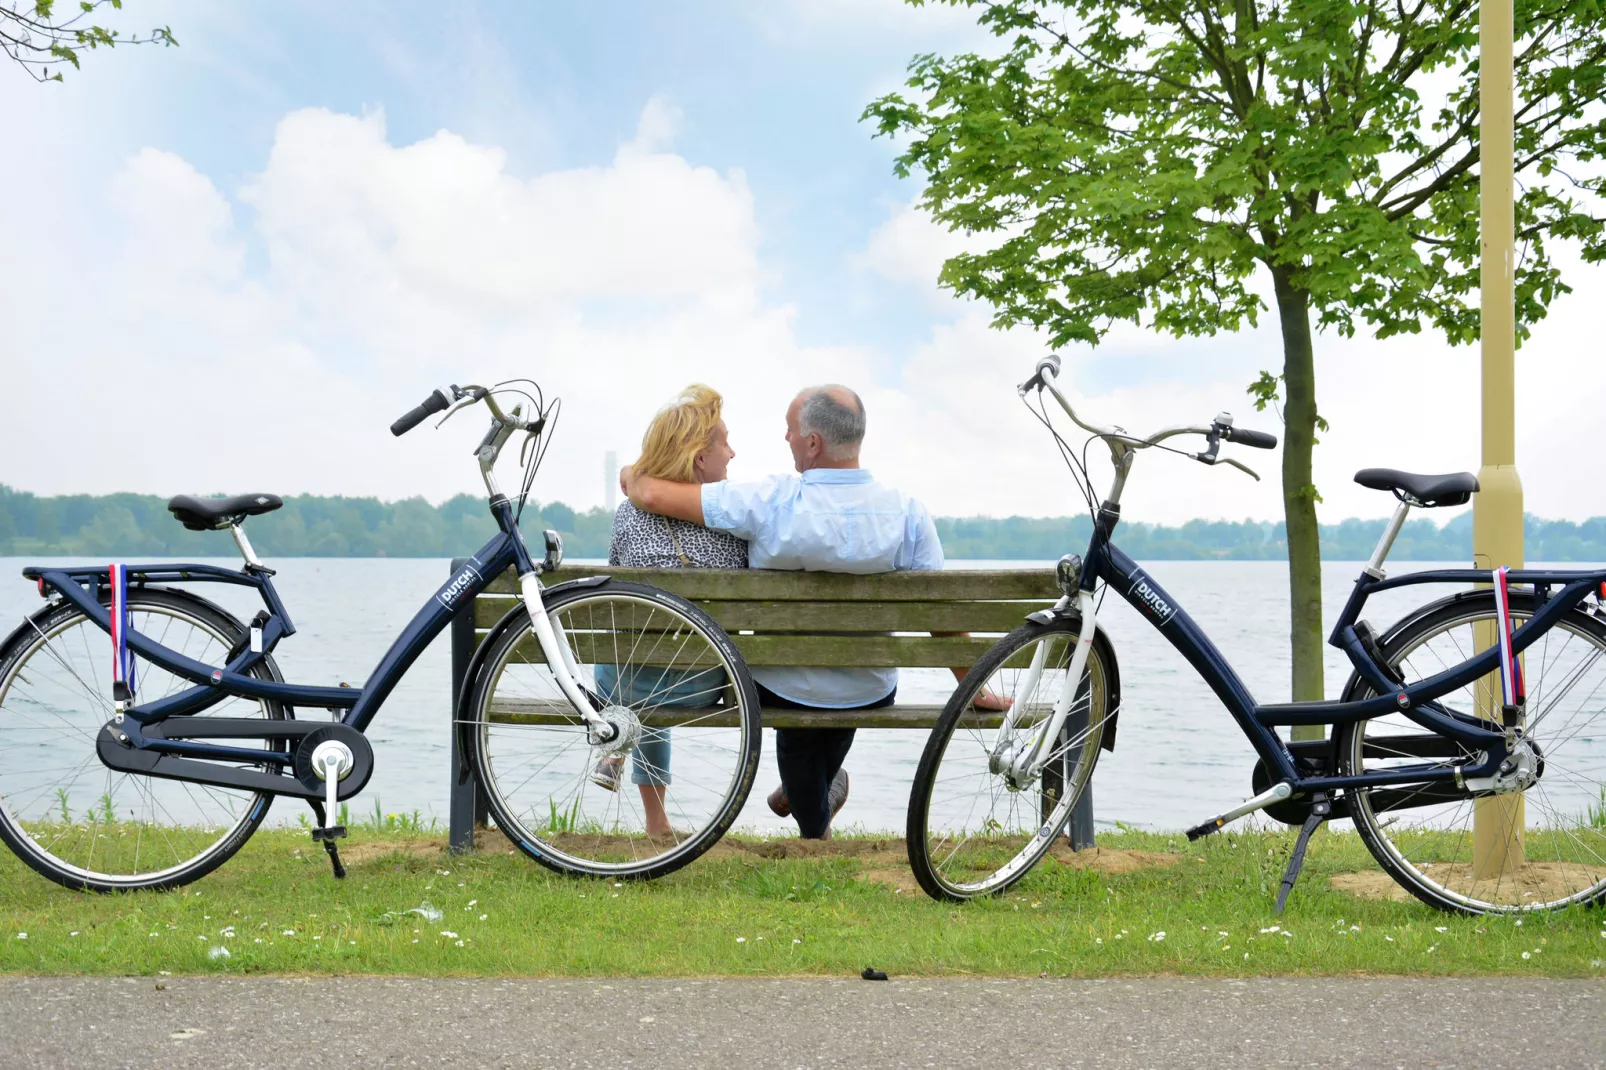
[(325, 835), (1199, 832)]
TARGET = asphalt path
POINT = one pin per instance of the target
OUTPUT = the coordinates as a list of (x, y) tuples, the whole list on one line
[(1370, 1023)]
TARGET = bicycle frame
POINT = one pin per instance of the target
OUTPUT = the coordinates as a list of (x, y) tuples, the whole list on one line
[(80, 587), (1104, 562)]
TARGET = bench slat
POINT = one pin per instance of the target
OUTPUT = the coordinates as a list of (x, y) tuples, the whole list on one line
[(519, 712), (867, 651), (830, 617), (759, 651), (773, 585)]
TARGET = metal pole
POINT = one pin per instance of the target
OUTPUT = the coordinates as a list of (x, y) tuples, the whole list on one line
[(463, 790), (1497, 509)]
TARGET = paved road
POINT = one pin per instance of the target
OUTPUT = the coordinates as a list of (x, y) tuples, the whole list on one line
[(731, 1024)]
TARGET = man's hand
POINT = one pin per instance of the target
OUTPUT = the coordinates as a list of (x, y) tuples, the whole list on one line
[(986, 700), (683, 501)]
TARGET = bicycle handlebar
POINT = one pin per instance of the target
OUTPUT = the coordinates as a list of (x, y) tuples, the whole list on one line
[(436, 402), (1260, 440)]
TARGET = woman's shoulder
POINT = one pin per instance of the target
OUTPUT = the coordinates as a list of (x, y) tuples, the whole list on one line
[(707, 548)]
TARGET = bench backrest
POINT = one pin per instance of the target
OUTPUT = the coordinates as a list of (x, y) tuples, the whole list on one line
[(824, 618)]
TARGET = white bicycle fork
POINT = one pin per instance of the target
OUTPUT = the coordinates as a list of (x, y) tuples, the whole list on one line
[(1024, 766), (560, 658)]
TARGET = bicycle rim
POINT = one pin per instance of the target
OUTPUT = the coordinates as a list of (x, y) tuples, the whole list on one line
[(1445, 846), (969, 833), (64, 812), (696, 745)]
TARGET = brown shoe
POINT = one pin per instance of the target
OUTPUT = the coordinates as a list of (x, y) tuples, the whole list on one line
[(780, 805)]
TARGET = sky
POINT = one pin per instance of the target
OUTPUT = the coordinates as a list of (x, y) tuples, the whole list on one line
[(228, 266)]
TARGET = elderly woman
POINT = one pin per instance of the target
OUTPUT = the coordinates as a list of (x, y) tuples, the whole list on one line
[(686, 442)]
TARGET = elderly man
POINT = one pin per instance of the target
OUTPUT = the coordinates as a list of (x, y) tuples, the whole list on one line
[(831, 517)]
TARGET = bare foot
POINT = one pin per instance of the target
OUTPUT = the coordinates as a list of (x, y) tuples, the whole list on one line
[(986, 700)]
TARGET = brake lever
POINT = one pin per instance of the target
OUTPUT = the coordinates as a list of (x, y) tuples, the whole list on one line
[(456, 407), (1239, 465)]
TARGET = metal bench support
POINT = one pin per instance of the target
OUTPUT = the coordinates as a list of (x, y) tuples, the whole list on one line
[(468, 809)]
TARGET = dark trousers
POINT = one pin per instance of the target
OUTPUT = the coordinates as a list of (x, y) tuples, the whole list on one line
[(809, 759)]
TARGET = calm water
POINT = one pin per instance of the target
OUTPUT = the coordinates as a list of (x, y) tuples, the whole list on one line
[(1179, 756)]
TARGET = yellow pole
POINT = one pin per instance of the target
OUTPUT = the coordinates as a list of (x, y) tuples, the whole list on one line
[(1497, 509)]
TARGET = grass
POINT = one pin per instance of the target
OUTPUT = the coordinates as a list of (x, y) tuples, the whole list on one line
[(1147, 904)]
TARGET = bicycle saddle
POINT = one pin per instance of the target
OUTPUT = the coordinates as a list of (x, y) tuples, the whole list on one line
[(209, 514), (1452, 488)]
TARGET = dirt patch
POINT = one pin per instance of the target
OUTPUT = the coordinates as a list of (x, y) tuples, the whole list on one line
[(1108, 860), (1370, 884), (901, 881), (358, 853), (1536, 882)]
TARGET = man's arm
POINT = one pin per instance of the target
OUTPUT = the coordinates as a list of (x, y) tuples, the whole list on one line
[(683, 501)]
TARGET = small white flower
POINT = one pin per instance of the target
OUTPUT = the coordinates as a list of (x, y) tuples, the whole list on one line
[(288, 932), (797, 941), (460, 943), (1155, 938), (448, 934), (317, 938), (1390, 939), (473, 902), (741, 939), (1273, 929), (1441, 928), (484, 916), (1519, 922), (1526, 955), (1098, 939), (1432, 949), (73, 933)]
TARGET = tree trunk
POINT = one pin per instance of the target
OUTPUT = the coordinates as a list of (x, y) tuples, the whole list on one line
[(1299, 491)]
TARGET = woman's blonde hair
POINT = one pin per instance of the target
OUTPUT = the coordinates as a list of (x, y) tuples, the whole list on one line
[(680, 431)]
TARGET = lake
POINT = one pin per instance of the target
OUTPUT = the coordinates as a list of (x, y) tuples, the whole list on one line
[(1180, 758)]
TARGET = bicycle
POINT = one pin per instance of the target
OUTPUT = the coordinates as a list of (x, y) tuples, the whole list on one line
[(1466, 746), (154, 774)]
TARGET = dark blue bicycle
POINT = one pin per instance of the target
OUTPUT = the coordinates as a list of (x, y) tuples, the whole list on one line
[(1468, 749), (144, 732)]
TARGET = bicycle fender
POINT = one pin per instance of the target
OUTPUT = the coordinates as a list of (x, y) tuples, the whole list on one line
[(1106, 649)]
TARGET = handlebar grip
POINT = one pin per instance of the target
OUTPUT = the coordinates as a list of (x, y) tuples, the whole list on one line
[(436, 402), (1260, 440), (1050, 363)]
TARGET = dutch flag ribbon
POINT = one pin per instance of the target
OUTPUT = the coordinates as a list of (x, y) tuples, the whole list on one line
[(1511, 685), (122, 621)]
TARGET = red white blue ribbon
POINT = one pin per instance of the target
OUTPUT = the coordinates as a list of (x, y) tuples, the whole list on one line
[(122, 621), (1511, 685)]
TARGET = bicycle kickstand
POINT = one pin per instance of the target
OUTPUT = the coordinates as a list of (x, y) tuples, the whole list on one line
[(327, 837), (1320, 808)]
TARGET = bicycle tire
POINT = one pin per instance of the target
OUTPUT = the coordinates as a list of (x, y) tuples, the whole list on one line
[(930, 809), (1408, 830), (589, 831), (27, 712)]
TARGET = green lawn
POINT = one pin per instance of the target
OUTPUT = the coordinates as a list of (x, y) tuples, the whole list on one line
[(1145, 905)]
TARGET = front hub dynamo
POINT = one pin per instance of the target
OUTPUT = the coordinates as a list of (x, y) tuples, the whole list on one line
[(625, 734)]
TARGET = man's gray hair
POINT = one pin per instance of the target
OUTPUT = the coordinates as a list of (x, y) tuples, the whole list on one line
[(840, 426)]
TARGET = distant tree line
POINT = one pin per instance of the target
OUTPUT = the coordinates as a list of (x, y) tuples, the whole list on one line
[(129, 525)]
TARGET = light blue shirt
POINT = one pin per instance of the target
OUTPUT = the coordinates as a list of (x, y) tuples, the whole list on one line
[(825, 520)]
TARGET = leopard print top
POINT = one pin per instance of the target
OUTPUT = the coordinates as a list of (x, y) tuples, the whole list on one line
[(646, 540)]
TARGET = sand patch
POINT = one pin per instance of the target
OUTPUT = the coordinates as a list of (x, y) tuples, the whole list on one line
[(1109, 860), (901, 881), (358, 853), (1535, 882)]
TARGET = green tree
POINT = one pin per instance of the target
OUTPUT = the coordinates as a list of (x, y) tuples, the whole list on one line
[(40, 41), (1165, 161)]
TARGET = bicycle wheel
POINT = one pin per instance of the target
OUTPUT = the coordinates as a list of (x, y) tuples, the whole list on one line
[(970, 832), (69, 816), (1442, 843), (660, 667)]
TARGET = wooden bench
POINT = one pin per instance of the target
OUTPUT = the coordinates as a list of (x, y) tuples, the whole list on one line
[(809, 619)]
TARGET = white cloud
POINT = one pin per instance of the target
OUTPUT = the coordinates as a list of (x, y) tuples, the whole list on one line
[(192, 343)]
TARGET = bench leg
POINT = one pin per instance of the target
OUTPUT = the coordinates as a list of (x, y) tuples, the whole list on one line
[(1079, 830), (467, 808)]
